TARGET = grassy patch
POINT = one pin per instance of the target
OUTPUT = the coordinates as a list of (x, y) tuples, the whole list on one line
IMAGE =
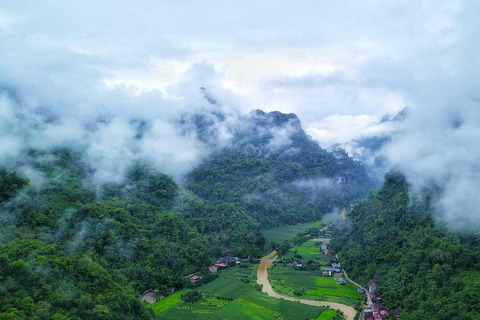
[(309, 250), (327, 315), (247, 304), (280, 234), (285, 280), (230, 283), (343, 291), (165, 303)]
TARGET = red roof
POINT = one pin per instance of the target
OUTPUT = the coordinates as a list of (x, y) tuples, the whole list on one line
[(195, 277), (385, 312), (212, 268), (221, 265), (377, 316)]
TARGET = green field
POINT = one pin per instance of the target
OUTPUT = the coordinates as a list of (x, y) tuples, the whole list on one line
[(229, 283), (280, 234), (166, 303), (327, 315), (286, 279), (238, 284), (309, 250)]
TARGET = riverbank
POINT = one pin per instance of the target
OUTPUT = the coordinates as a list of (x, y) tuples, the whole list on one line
[(262, 278)]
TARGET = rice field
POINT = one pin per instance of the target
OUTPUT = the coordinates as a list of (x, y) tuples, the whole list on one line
[(309, 250), (327, 315), (286, 279), (280, 234), (166, 303), (247, 302)]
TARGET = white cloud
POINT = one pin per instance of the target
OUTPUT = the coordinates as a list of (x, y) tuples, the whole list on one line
[(79, 72), (342, 128)]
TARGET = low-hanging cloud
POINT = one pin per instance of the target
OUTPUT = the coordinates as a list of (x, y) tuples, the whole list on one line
[(439, 148), (62, 83)]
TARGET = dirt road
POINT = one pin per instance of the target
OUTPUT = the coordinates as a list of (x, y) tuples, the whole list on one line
[(369, 299), (262, 278)]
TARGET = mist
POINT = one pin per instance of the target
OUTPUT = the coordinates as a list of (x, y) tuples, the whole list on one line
[(133, 92)]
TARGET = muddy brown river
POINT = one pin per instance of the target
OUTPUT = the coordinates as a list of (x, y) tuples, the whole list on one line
[(262, 278)]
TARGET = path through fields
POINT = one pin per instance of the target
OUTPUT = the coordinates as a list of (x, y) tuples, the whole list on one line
[(262, 278)]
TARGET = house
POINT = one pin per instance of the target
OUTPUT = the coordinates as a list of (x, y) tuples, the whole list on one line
[(213, 269), (336, 265), (327, 251), (297, 265), (384, 313), (324, 246), (333, 260), (171, 290), (326, 273), (372, 288), (361, 290), (342, 282), (221, 266), (333, 270), (228, 259), (194, 278)]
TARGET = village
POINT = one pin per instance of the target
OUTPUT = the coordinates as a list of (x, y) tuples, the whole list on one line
[(195, 279), (328, 266), (374, 309)]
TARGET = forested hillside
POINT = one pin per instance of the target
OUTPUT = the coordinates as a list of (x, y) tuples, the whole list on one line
[(73, 249), (70, 250), (417, 263), (279, 174)]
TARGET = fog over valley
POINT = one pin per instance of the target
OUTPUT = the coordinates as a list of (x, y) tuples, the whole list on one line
[(140, 142)]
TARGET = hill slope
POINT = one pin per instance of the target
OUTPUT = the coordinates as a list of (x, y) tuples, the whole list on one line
[(277, 173), (418, 265), (70, 251)]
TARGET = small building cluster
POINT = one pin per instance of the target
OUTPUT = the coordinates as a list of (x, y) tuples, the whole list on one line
[(335, 269), (222, 264), (325, 249), (195, 278), (228, 259), (376, 310)]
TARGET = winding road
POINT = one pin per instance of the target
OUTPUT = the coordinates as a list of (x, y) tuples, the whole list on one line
[(369, 299), (262, 278)]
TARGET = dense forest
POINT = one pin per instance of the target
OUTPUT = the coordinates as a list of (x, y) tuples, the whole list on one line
[(420, 266), (69, 250), (276, 172)]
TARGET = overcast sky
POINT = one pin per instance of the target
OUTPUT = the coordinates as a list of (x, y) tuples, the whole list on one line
[(353, 61), (339, 65)]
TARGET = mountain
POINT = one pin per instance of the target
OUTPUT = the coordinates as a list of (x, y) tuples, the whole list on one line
[(277, 173), (70, 251), (73, 249), (393, 239)]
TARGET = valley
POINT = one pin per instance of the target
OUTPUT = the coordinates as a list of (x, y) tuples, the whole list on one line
[(322, 297)]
